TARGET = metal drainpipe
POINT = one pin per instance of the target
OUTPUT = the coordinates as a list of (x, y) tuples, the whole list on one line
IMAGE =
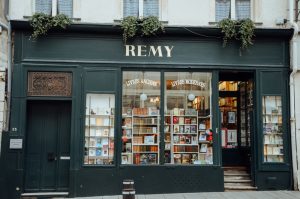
[(293, 60)]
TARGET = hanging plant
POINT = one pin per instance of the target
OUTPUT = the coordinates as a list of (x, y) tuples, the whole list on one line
[(242, 30), (133, 26), (130, 27), (42, 23), (246, 32), (151, 26)]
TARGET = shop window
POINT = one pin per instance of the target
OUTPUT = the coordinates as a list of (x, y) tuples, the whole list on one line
[(60, 6), (141, 118), (187, 128), (233, 9), (99, 129), (141, 8), (272, 129)]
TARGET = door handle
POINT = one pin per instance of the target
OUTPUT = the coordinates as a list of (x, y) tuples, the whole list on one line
[(51, 157)]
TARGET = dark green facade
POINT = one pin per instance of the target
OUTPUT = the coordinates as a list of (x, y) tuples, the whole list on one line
[(95, 55)]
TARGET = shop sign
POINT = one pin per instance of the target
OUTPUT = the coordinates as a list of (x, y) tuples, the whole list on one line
[(141, 81), (188, 81), (15, 143), (148, 51)]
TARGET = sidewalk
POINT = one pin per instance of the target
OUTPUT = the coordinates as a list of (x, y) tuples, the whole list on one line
[(215, 195)]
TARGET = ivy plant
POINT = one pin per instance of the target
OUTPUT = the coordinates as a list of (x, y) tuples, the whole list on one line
[(133, 26), (130, 27), (151, 26), (242, 30), (42, 23)]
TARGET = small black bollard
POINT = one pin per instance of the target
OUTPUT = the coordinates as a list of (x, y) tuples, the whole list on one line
[(128, 191)]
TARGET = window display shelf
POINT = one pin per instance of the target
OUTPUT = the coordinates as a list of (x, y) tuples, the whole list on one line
[(272, 130)]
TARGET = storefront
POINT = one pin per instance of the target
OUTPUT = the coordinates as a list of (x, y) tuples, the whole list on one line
[(89, 111)]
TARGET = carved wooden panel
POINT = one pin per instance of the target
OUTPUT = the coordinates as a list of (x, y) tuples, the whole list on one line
[(49, 84)]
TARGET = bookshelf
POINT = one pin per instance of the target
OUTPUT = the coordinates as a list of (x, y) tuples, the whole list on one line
[(99, 129), (140, 136), (272, 129), (183, 130)]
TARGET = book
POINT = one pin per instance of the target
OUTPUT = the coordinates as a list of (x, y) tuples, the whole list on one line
[(125, 159), (176, 128), (193, 120), (176, 111), (187, 120), (181, 129), (176, 139), (202, 126), (194, 140), (202, 136), (92, 152), (187, 129), (203, 148), (149, 139), (181, 120), (175, 120), (193, 129), (186, 158), (177, 158)]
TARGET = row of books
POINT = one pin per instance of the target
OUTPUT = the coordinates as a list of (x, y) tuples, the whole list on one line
[(99, 152), (145, 148), (99, 142), (145, 111), (106, 161), (141, 121), (185, 128), (150, 158), (273, 150), (99, 132), (185, 139), (138, 130), (144, 139), (184, 120), (273, 139), (185, 158), (185, 149), (180, 111)]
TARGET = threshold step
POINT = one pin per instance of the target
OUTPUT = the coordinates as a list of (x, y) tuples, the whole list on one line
[(25, 195), (240, 188), (236, 174), (235, 168), (236, 181)]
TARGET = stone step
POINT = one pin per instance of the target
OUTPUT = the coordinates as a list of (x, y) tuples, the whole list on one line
[(240, 168), (237, 184), (235, 172), (237, 181), (240, 188), (237, 177)]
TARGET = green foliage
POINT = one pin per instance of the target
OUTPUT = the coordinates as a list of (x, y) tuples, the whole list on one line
[(246, 33), (42, 23), (130, 27), (242, 30), (133, 26), (151, 26)]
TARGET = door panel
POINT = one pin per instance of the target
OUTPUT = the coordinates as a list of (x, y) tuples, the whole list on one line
[(48, 137)]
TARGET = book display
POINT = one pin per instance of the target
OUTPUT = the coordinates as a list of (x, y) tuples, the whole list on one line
[(272, 129), (186, 139), (228, 108), (99, 129), (140, 136)]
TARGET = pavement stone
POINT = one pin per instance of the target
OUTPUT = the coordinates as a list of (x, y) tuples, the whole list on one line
[(214, 195)]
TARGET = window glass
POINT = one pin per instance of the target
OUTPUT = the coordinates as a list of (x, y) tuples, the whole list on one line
[(43, 6), (272, 129), (130, 8), (242, 9), (188, 136), (151, 8), (140, 118), (99, 129), (65, 7), (222, 9)]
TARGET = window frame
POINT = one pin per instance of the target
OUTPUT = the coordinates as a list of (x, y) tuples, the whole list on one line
[(54, 8), (233, 10), (141, 9)]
